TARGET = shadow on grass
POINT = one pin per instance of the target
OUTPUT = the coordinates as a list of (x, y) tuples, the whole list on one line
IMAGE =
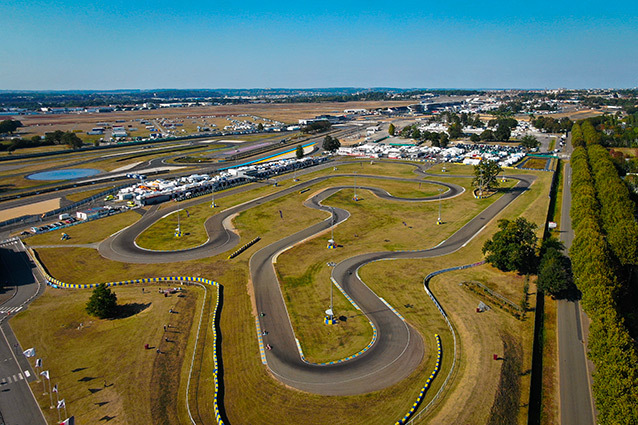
[(220, 360), (130, 309)]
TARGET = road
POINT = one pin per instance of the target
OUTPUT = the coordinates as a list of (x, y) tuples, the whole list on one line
[(576, 403), (398, 349), (17, 403)]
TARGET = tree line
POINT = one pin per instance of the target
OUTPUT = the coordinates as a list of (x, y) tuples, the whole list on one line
[(57, 137), (608, 130), (603, 252)]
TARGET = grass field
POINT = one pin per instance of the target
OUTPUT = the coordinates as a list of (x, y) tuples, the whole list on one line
[(251, 395), (535, 163), (89, 232), (100, 366)]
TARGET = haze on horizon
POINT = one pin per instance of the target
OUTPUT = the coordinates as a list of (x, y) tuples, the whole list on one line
[(195, 44)]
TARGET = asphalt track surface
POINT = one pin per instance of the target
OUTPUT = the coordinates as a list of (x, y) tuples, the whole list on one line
[(17, 403), (398, 349)]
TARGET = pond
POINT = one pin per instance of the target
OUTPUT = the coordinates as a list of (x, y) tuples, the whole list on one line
[(64, 174)]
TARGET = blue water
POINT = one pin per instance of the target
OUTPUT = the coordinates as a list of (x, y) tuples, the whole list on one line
[(68, 174)]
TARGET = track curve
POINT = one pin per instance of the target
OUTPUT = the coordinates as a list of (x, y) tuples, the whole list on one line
[(122, 247), (398, 349)]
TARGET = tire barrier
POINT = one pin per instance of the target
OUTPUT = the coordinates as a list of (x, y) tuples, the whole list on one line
[(407, 418), (425, 387), (244, 248)]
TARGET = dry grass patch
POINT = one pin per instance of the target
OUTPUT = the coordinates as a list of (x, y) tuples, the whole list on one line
[(89, 232), (78, 196), (83, 353)]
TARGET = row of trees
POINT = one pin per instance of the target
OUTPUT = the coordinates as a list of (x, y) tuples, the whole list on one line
[(552, 125), (597, 262), (316, 127), (608, 130), (57, 137)]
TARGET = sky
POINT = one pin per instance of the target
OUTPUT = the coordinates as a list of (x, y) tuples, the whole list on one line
[(132, 44)]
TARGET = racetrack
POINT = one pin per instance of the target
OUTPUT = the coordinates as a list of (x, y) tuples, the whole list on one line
[(398, 348)]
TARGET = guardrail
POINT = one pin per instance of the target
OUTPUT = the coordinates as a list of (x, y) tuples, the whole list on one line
[(426, 282)]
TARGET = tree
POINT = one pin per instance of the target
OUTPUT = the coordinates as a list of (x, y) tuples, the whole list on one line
[(391, 129), (299, 152), (513, 247), (444, 140), (72, 140), (529, 142), (455, 130), (553, 272), (102, 303), (487, 135), (502, 133), (260, 127), (9, 126), (475, 138), (330, 144), (486, 173)]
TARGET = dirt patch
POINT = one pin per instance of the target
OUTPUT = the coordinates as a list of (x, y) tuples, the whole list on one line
[(506, 404), (168, 362), (31, 209)]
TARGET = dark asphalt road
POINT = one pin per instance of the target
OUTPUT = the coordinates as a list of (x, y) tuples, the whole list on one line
[(17, 403), (576, 404), (121, 247)]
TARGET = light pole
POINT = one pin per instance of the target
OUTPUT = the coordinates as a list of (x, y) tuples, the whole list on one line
[(440, 193), (355, 187), (178, 230), (331, 242), (330, 318)]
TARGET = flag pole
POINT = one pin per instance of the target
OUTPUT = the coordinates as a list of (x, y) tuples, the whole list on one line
[(50, 393), (59, 416), (44, 388)]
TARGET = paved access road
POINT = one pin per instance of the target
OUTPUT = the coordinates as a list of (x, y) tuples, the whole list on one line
[(576, 404), (17, 403), (398, 349)]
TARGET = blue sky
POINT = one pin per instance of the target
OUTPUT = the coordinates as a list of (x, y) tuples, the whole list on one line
[(215, 44)]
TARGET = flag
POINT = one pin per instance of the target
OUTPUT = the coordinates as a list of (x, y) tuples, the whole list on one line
[(187, 214), (70, 421), (61, 404), (29, 353), (45, 374), (38, 363), (55, 388)]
